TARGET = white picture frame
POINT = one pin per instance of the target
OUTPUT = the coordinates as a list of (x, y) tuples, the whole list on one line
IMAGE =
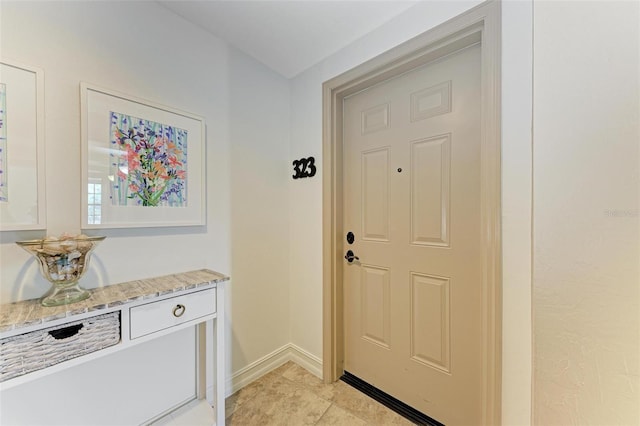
[(22, 148), (126, 182)]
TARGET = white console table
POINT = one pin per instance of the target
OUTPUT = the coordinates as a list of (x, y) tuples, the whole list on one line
[(147, 309)]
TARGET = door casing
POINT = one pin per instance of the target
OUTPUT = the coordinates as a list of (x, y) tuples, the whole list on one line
[(480, 24)]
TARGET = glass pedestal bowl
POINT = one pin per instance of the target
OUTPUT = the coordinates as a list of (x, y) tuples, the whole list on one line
[(63, 262)]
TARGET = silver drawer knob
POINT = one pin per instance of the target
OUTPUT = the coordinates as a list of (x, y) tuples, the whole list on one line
[(178, 311)]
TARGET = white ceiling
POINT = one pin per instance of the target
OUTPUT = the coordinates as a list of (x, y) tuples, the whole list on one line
[(288, 36)]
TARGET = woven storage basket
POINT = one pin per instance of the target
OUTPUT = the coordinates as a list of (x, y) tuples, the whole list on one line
[(43, 348)]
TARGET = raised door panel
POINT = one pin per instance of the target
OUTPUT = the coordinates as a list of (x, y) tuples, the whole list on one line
[(375, 308), (430, 325), (374, 119), (430, 102), (375, 195), (430, 191)]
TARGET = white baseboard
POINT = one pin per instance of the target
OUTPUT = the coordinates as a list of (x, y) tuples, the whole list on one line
[(267, 363), (257, 369), (304, 359)]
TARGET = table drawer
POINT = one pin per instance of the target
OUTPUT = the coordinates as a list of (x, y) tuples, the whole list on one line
[(39, 349), (156, 316)]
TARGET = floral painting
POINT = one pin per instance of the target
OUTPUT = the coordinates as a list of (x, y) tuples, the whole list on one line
[(3, 144), (148, 163)]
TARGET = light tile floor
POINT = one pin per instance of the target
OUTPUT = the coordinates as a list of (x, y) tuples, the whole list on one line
[(290, 395)]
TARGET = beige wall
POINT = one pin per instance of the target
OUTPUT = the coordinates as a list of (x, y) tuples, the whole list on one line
[(144, 50), (586, 218)]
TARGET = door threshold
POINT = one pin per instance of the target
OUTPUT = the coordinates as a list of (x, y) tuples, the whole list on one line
[(388, 401)]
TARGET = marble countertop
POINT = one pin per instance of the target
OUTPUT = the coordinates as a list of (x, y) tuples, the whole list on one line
[(30, 312)]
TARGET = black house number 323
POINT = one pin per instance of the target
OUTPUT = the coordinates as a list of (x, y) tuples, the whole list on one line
[(305, 167)]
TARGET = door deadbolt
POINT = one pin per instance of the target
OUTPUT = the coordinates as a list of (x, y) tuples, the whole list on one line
[(350, 237)]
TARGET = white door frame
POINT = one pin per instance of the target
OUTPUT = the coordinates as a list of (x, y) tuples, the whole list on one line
[(478, 25)]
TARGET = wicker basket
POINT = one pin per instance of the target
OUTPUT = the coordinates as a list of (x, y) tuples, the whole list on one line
[(43, 348)]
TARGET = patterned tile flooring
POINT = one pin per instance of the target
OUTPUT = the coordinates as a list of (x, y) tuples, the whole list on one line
[(290, 395)]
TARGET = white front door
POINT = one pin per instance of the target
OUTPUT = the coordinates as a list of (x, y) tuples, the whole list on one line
[(412, 302)]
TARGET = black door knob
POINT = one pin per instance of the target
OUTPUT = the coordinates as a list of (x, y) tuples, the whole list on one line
[(350, 256)]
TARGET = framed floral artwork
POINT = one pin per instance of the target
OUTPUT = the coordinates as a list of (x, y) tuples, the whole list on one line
[(22, 169), (143, 163)]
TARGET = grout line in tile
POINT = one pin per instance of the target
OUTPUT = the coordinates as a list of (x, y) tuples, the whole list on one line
[(323, 413)]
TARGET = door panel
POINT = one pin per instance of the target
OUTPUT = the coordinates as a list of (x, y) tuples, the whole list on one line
[(430, 330), (375, 305), (431, 101), (375, 119), (430, 188), (412, 308), (375, 195)]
